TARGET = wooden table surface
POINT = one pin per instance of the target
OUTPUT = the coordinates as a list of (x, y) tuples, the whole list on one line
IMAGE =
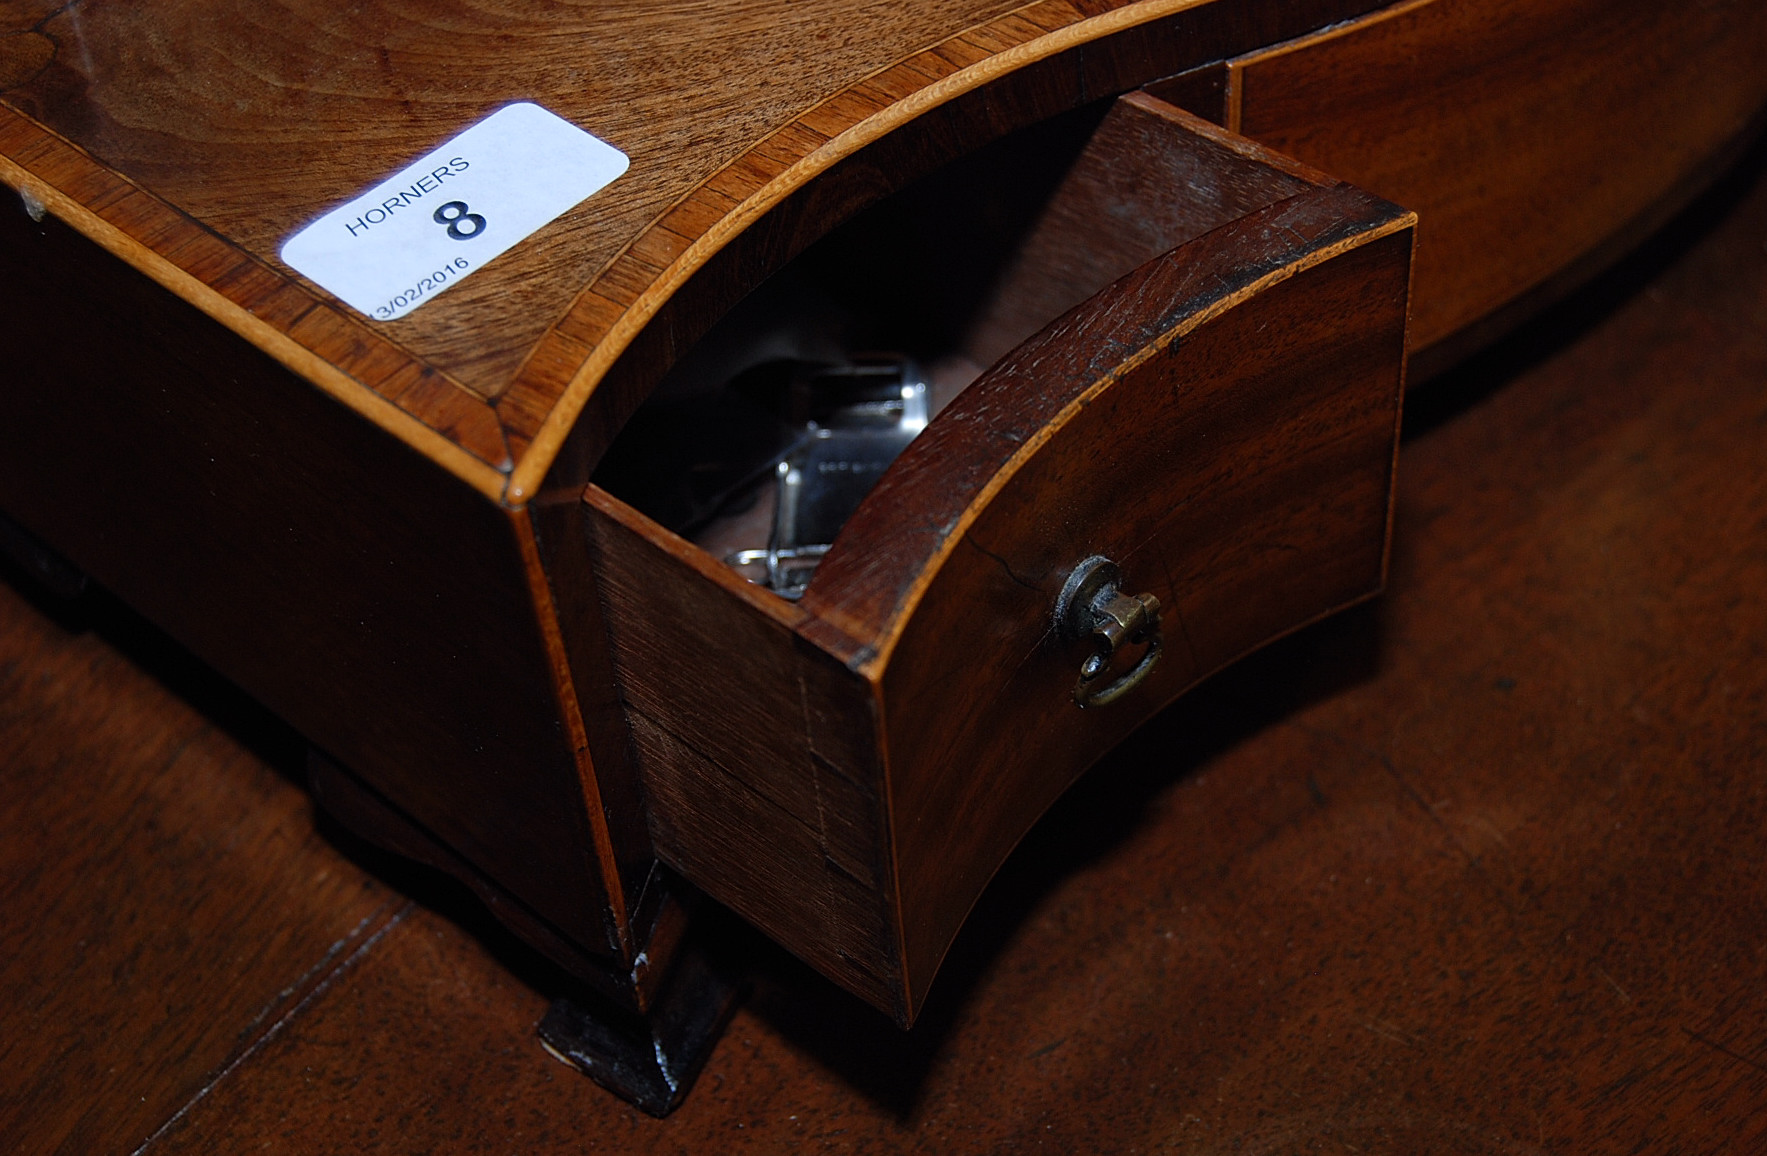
[(1478, 868)]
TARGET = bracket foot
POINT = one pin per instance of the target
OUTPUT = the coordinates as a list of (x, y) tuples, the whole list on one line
[(649, 1060)]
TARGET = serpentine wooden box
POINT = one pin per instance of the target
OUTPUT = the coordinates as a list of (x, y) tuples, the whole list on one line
[(404, 535)]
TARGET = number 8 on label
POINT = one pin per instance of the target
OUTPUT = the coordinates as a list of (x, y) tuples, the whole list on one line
[(454, 214)]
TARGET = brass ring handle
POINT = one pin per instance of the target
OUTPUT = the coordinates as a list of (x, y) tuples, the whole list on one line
[(1092, 606)]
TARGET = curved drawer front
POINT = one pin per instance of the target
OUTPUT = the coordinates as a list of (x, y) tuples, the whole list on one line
[(1221, 424), (1214, 428)]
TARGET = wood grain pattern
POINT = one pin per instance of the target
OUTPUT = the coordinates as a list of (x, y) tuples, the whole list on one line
[(124, 988), (1178, 194), (258, 119), (881, 149), (408, 399), (1522, 133), (230, 130), (1477, 869), (209, 137)]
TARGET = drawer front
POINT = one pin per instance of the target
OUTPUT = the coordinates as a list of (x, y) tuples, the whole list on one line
[(1232, 455)]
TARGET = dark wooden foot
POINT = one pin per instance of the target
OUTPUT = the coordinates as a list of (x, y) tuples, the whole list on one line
[(650, 1060), (642, 1032)]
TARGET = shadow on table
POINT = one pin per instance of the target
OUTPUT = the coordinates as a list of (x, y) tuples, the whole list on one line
[(1097, 815)]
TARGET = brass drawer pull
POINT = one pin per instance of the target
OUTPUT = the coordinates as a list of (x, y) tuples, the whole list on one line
[(1093, 606)]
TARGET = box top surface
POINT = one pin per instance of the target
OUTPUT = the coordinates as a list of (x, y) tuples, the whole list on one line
[(194, 140)]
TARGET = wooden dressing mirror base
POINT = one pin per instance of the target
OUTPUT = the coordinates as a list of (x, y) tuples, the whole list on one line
[(406, 539)]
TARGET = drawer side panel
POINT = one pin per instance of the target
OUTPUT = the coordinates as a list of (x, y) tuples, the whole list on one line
[(756, 751)]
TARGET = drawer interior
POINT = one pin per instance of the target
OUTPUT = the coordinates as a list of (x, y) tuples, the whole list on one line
[(945, 278), (1142, 338)]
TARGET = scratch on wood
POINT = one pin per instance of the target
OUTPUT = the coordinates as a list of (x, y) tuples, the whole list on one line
[(287, 1018), (1620, 991), (1718, 1047), (1394, 1033), (1473, 861)]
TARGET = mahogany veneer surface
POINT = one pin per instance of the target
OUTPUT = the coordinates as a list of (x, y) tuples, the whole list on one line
[(196, 138), (1571, 136), (1479, 868)]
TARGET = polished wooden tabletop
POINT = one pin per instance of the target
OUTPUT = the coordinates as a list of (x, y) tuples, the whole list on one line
[(1481, 867)]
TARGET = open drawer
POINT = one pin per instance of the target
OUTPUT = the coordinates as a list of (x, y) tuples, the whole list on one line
[(1183, 447)]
